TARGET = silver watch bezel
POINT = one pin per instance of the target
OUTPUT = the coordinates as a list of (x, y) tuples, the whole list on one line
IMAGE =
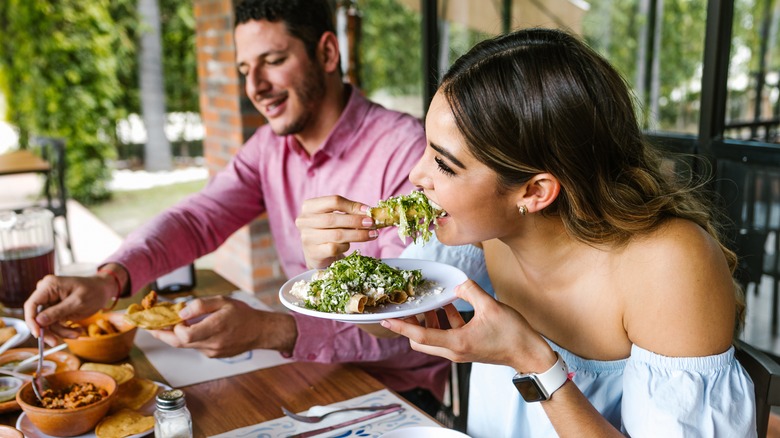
[(544, 384)]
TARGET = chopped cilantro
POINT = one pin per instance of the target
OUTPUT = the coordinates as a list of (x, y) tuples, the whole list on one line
[(356, 274)]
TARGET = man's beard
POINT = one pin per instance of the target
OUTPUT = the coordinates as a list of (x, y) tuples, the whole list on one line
[(310, 93)]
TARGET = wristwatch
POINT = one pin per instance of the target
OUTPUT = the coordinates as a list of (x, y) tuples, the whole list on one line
[(535, 387)]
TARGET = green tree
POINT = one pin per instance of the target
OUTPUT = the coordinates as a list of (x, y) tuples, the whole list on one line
[(180, 61), (60, 79), (613, 27), (69, 69), (390, 48)]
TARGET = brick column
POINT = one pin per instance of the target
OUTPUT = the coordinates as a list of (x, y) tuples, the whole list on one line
[(248, 258)]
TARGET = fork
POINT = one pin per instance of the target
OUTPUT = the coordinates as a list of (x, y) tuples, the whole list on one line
[(318, 418)]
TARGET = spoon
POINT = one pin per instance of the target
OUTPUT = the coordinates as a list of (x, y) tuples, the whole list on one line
[(39, 382)]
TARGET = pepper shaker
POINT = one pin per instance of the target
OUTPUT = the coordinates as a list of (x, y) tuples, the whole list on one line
[(172, 419)]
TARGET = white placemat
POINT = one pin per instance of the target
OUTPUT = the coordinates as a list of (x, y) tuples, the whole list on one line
[(186, 366), (285, 426)]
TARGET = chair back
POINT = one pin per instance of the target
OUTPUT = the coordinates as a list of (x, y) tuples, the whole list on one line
[(765, 373), (53, 151)]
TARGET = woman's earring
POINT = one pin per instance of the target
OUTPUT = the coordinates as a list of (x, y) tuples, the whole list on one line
[(523, 210)]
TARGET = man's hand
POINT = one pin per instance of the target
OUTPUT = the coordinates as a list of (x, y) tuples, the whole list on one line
[(328, 225), (66, 299), (224, 327)]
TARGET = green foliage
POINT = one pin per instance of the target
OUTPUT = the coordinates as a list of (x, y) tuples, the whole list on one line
[(179, 55), (682, 54), (613, 27), (390, 48), (69, 69), (123, 13), (59, 69)]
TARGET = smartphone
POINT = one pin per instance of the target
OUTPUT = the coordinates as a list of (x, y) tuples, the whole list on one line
[(178, 280)]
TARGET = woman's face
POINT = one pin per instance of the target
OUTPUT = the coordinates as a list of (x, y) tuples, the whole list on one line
[(464, 187)]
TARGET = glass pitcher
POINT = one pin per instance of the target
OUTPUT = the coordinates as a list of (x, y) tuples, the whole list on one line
[(26, 254)]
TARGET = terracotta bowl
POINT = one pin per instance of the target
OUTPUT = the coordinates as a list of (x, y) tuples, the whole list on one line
[(105, 348), (62, 360), (68, 422)]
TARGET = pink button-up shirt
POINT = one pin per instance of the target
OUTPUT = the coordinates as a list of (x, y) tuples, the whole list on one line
[(366, 158)]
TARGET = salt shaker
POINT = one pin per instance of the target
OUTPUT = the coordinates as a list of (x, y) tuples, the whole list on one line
[(172, 418)]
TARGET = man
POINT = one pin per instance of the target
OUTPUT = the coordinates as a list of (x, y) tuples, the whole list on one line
[(322, 137)]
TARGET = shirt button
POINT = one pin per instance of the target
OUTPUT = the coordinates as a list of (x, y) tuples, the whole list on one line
[(311, 356), (310, 173)]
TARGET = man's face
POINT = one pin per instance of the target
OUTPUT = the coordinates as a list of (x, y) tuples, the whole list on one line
[(284, 84)]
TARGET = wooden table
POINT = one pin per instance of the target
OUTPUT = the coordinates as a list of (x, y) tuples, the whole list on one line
[(22, 161), (222, 405)]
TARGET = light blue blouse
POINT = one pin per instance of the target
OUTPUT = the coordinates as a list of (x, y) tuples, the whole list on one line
[(646, 395)]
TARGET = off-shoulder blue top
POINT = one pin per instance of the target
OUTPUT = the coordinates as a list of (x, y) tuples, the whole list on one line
[(645, 395)]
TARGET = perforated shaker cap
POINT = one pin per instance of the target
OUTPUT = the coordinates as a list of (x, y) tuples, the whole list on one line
[(170, 400)]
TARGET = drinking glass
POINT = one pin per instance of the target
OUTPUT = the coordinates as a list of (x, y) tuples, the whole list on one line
[(26, 254)]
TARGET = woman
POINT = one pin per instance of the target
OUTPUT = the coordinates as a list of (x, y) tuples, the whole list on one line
[(611, 279)]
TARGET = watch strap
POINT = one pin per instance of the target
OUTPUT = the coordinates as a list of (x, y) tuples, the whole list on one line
[(534, 387), (555, 377)]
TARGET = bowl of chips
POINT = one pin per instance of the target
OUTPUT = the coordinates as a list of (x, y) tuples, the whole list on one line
[(75, 403), (107, 338)]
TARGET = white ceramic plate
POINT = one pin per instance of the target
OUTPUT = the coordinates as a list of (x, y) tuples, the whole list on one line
[(424, 432), (443, 275), (21, 328), (30, 431)]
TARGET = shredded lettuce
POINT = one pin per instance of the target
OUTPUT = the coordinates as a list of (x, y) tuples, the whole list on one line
[(332, 289)]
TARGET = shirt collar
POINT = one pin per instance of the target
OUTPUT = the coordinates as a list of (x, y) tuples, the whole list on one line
[(347, 126)]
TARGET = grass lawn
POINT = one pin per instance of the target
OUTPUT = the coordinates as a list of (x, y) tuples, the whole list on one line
[(127, 210)]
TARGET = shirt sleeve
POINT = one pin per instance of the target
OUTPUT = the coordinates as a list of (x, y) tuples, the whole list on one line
[(687, 396), (195, 226), (328, 341)]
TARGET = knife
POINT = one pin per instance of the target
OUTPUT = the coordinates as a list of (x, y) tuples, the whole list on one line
[(347, 423)]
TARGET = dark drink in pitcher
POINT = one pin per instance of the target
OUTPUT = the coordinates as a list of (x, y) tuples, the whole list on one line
[(20, 270)]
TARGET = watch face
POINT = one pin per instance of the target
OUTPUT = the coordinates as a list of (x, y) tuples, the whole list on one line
[(529, 389)]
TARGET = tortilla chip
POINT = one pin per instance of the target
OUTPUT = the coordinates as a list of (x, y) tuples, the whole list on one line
[(121, 373), (124, 423), (133, 394), (160, 316), (6, 333), (134, 308)]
